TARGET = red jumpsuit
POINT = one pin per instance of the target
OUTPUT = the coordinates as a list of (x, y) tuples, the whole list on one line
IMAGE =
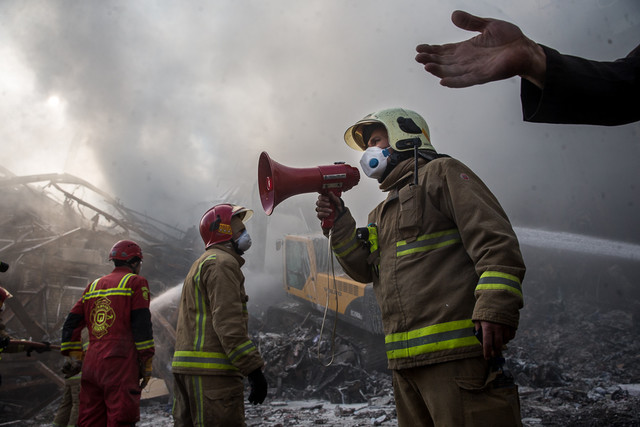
[(115, 310)]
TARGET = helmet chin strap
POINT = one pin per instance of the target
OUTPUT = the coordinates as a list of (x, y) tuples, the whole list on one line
[(399, 156), (415, 164), (235, 247)]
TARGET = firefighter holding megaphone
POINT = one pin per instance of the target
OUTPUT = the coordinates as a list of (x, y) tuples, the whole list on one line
[(446, 269)]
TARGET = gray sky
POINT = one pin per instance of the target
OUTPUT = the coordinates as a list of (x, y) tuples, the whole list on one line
[(168, 104)]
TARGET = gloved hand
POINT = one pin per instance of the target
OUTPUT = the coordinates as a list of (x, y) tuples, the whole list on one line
[(146, 368), (46, 346), (259, 386), (71, 367), (4, 342), (76, 355)]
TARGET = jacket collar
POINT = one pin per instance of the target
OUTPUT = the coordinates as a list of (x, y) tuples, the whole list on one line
[(226, 247), (401, 174)]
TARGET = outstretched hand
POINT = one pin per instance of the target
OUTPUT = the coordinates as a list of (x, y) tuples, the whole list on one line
[(500, 51)]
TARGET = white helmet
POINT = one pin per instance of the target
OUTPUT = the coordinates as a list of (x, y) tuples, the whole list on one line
[(405, 128)]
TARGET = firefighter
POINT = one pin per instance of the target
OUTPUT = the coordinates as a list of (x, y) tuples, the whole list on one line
[(5, 339), (446, 269), (117, 363), (4, 295), (8, 345), (213, 351), (67, 413)]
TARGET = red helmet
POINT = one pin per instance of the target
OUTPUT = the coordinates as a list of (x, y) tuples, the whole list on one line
[(124, 250), (4, 294), (215, 225)]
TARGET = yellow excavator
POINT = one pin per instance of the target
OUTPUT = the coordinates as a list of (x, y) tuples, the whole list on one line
[(318, 283)]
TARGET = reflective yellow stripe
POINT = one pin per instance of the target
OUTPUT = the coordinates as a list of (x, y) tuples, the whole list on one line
[(199, 397), (495, 280), (124, 280), (143, 345), (443, 336), (121, 289), (241, 350), (373, 237), (201, 308), (93, 285), (428, 242), (347, 246), (71, 345), (202, 360)]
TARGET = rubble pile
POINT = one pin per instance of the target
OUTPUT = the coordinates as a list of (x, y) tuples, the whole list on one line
[(577, 364), (302, 364)]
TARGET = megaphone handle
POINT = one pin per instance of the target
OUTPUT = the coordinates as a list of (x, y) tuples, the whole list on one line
[(327, 223)]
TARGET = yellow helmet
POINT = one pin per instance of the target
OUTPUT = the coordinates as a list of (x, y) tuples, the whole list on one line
[(405, 128)]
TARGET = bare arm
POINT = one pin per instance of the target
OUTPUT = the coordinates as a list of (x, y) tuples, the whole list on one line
[(500, 51)]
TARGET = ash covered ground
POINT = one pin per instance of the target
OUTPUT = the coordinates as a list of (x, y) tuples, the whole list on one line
[(576, 360)]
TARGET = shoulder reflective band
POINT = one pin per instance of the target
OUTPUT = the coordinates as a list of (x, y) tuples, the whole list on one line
[(121, 289), (347, 246), (202, 360), (443, 336), (500, 281), (201, 312), (428, 242)]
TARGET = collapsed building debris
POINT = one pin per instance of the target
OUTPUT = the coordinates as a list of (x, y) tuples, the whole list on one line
[(55, 232), (305, 365)]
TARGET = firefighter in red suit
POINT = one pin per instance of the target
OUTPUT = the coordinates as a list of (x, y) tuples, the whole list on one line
[(117, 364)]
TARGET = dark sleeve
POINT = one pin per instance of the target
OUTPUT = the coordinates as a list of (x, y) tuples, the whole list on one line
[(581, 91), (71, 339), (142, 331)]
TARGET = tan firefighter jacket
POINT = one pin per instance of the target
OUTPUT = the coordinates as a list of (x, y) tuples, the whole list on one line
[(212, 332), (447, 255)]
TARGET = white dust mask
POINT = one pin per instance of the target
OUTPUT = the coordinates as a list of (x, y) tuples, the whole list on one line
[(243, 242), (374, 161)]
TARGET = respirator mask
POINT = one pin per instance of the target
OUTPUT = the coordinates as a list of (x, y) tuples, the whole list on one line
[(374, 161), (243, 242)]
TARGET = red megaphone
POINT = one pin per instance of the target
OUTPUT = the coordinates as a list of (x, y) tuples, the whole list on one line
[(277, 182)]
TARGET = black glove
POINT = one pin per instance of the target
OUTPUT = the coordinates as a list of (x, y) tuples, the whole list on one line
[(259, 386), (71, 367), (4, 342), (45, 347), (39, 349)]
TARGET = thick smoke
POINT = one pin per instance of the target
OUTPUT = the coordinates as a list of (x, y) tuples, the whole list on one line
[(167, 105)]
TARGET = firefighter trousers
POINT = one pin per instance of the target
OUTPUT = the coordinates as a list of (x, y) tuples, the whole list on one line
[(67, 413), (109, 392), (208, 401), (458, 393)]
